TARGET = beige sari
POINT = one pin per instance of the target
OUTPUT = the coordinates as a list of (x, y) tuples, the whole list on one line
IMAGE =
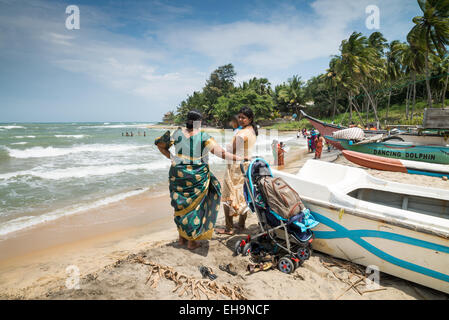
[(232, 193)]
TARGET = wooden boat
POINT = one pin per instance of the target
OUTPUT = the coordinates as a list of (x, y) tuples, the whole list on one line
[(399, 150), (397, 165), (326, 129), (402, 229), (421, 138)]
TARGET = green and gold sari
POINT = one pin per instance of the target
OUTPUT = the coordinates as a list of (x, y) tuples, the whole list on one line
[(195, 192)]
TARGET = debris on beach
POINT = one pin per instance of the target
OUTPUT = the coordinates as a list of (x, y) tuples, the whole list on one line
[(188, 285), (355, 276)]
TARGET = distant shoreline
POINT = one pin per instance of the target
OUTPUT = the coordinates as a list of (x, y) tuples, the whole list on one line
[(211, 129)]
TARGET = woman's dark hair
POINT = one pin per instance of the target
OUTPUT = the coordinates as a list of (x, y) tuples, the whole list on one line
[(247, 111), (192, 116)]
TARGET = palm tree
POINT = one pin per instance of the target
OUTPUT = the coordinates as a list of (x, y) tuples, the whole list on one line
[(445, 63), (430, 33), (378, 43), (293, 93), (413, 62), (343, 76), (393, 66), (361, 63), (330, 79)]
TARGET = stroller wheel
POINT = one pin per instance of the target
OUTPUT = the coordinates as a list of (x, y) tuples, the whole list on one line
[(296, 261), (246, 249), (238, 247), (304, 253), (286, 265)]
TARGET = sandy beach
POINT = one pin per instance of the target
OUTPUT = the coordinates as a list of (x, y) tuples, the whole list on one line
[(115, 257)]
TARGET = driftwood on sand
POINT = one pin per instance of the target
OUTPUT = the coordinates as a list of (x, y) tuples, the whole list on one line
[(355, 271), (188, 285)]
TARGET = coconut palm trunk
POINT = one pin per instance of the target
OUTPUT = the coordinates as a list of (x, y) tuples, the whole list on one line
[(414, 94), (350, 107), (372, 103), (445, 89), (407, 101), (429, 92), (335, 108), (388, 104)]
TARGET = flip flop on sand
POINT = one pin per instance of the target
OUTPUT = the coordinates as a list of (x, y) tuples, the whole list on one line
[(207, 272), (229, 268), (224, 231), (252, 268)]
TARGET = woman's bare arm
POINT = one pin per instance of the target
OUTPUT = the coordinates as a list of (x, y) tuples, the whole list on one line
[(222, 153)]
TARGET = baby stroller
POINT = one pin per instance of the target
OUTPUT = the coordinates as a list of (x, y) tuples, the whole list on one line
[(292, 237)]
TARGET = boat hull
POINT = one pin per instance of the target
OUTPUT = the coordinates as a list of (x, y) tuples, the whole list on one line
[(409, 255), (373, 235), (396, 165), (398, 150), (327, 129)]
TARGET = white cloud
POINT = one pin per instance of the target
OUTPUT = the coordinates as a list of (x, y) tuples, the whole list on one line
[(162, 64), (285, 38)]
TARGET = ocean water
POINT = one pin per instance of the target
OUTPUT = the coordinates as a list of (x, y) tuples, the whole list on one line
[(50, 170)]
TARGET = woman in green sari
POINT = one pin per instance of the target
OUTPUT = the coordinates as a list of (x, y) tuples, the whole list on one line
[(195, 192)]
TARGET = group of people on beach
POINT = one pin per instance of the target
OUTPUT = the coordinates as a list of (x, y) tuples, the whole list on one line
[(131, 134), (194, 191), (315, 143)]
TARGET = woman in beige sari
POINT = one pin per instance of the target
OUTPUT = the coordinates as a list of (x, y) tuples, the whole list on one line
[(234, 203)]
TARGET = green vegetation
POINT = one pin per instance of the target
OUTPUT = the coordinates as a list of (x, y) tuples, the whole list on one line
[(396, 116), (370, 81)]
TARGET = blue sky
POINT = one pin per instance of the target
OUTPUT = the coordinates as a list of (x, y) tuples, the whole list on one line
[(136, 60)]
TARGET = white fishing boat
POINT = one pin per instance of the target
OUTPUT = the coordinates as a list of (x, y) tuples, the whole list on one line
[(402, 229)]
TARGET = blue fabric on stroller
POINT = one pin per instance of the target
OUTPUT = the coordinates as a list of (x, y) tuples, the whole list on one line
[(298, 226)]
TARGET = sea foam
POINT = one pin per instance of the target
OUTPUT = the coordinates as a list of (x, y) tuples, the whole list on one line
[(87, 171), (12, 127), (39, 152), (76, 136)]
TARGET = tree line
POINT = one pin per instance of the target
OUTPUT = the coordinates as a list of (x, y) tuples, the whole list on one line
[(368, 74)]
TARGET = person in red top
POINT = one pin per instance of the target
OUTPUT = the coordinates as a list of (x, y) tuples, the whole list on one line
[(319, 142)]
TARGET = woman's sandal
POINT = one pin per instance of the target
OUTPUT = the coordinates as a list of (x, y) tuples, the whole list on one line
[(227, 268), (252, 268), (207, 273)]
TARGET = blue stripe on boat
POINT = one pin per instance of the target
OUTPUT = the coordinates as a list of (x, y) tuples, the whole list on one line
[(357, 235), (426, 173)]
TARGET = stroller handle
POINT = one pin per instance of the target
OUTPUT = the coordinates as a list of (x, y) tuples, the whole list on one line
[(242, 167)]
